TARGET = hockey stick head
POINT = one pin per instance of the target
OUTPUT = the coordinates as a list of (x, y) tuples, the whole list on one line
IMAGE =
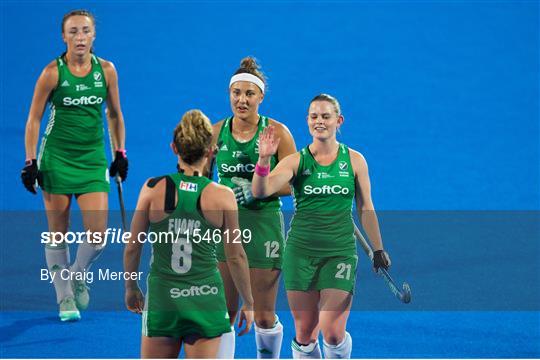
[(406, 294)]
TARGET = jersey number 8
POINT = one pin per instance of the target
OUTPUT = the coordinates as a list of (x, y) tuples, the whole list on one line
[(181, 255)]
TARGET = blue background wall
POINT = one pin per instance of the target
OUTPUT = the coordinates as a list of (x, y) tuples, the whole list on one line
[(440, 96)]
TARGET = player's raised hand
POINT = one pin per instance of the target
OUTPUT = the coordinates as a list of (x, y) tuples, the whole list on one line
[(268, 143)]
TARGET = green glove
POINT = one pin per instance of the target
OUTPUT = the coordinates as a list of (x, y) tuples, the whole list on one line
[(242, 191)]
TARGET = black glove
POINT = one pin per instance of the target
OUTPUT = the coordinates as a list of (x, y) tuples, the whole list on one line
[(381, 260), (119, 165), (31, 176)]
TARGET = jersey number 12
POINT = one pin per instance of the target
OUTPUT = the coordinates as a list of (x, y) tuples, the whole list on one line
[(272, 248)]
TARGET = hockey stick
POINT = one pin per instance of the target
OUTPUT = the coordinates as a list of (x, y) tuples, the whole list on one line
[(118, 180), (210, 174), (405, 295)]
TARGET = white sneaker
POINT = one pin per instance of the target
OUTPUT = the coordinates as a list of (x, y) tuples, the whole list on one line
[(68, 310)]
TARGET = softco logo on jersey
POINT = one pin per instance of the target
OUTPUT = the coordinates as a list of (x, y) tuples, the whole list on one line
[(325, 190), (193, 291), (83, 100), (237, 168)]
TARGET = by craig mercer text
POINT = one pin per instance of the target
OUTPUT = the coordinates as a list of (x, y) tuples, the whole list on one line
[(179, 230)]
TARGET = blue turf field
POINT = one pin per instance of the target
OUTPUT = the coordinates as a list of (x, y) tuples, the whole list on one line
[(375, 335), (442, 98)]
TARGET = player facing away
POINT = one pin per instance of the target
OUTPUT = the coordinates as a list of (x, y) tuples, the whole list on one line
[(71, 161), (185, 300), (237, 140), (319, 264)]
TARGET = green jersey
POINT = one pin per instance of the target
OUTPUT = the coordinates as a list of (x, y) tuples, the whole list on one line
[(72, 152), (76, 108), (183, 247), (238, 159), (323, 196)]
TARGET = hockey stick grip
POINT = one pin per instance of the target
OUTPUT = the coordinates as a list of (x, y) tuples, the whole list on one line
[(363, 242), (119, 188)]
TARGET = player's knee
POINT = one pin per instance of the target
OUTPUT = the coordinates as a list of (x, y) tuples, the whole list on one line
[(340, 350), (305, 330), (332, 339), (98, 239), (265, 320), (58, 225), (333, 336)]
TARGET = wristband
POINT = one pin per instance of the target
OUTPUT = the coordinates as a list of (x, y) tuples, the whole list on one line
[(123, 151), (262, 171)]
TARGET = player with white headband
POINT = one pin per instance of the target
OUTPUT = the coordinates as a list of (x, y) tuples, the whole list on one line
[(238, 150), (249, 78)]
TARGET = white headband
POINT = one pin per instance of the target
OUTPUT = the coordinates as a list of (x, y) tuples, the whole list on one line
[(249, 78)]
